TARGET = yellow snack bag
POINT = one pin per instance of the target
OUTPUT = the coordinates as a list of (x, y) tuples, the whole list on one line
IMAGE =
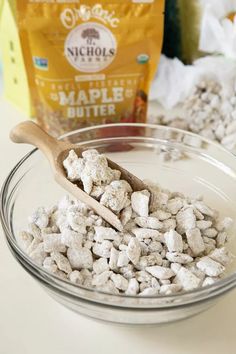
[(90, 62)]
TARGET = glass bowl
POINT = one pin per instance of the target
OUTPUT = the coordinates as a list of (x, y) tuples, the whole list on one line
[(205, 168)]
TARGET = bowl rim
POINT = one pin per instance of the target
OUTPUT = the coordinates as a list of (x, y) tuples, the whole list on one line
[(221, 284)]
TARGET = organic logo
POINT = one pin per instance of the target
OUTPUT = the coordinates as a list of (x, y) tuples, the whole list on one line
[(143, 58), (90, 47), (69, 17)]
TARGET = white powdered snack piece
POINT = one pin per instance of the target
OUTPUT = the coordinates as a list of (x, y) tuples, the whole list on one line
[(224, 224), (116, 196), (39, 218), (133, 287), (148, 222), (80, 258), (101, 279), (177, 243), (25, 239), (114, 254), (100, 265), (186, 220), (104, 233), (160, 272), (140, 202), (61, 262), (221, 255), (176, 257), (91, 169), (195, 241), (210, 267), (143, 233), (53, 243), (209, 281), (71, 238), (149, 292), (38, 254), (147, 261), (168, 289), (76, 277), (133, 250), (174, 241), (102, 249), (120, 282), (186, 279), (50, 265)]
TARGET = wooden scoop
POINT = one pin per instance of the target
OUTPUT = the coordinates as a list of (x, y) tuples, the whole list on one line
[(56, 151)]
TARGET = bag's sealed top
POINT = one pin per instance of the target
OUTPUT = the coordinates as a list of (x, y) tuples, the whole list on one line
[(90, 62)]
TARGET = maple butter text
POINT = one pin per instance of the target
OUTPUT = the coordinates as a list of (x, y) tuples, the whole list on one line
[(92, 102)]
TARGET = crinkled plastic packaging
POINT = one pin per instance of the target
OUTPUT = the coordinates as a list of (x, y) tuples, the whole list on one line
[(90, 62)]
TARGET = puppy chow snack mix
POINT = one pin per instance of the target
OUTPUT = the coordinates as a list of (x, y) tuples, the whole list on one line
[(177, 244)]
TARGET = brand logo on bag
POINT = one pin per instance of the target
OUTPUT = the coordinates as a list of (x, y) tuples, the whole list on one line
[(90, 47), (69, 17)]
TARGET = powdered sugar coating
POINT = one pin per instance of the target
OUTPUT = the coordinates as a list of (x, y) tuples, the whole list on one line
[(169, 243)]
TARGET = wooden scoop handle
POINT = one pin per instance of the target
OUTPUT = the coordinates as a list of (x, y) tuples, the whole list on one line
[(30, 133)]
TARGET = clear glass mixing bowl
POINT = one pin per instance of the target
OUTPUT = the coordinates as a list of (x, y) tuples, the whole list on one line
[(208, 170)]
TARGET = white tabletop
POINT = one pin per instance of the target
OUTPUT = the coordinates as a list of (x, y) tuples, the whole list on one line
[(33, 323)]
